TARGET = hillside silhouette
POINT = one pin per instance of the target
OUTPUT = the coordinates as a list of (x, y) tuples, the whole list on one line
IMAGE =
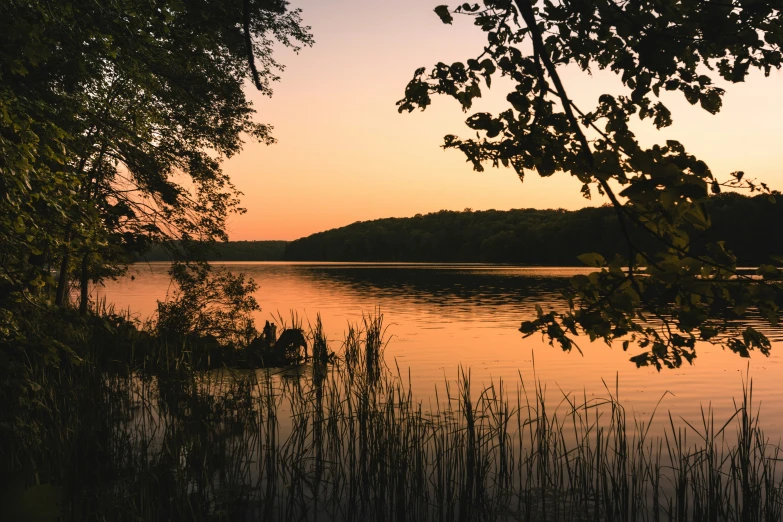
[(228, 251), (748, 225)]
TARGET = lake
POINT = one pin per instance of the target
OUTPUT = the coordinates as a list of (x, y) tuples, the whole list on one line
[(442, 316)]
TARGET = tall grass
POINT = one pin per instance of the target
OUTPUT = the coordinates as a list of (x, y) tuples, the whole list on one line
[(350, 441)]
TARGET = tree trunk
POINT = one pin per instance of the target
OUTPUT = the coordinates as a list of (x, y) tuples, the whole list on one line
[(84, 284), (62, 280)]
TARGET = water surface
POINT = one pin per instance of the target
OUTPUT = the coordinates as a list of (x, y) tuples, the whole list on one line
[(442, 316)]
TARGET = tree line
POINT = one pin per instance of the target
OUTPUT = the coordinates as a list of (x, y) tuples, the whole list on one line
[(534, 237), (221, 251)]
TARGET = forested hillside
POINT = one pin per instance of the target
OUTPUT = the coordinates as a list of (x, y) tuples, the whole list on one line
[(750, 227), (229, 251)]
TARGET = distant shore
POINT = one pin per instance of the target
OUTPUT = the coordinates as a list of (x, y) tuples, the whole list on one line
[(519, 237)]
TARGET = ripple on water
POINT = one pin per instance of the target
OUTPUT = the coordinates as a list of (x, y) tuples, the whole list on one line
[(442, 316)]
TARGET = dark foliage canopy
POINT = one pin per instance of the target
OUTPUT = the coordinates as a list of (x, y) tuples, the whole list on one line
[(532, 237)]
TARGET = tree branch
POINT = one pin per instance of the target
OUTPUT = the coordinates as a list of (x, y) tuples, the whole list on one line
[(251, 59)]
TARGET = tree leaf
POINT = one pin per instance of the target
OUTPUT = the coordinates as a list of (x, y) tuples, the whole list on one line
[(592, 259), (443, 12)]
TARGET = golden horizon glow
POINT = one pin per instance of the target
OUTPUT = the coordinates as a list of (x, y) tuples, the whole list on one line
[(344, 154)]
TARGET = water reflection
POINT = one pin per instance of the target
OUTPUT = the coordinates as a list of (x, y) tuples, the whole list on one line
[(441, 316), (462, 287)]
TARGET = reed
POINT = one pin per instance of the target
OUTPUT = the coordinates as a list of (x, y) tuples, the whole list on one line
[(349, 440)]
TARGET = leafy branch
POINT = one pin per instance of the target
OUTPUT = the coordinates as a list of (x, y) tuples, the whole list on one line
[(661, 205)]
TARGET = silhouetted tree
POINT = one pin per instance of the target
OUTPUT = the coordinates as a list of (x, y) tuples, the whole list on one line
[(114, 120), (670, 294)]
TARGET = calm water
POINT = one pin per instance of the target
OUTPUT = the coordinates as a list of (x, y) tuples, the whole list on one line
[(443, 316)]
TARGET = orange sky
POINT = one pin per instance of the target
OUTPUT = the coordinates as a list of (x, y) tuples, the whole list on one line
[(345, 154)]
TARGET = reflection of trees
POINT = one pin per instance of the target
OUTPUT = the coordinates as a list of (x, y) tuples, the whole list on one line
[(463, 288), (439, 286)]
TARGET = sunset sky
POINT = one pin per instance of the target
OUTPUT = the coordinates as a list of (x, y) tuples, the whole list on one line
[(345, 154)]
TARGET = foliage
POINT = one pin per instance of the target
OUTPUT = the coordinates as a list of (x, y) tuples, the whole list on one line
[(530, 236), (115, 117), (208, 302), (114, 120), (668, 296), (355, 443)]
